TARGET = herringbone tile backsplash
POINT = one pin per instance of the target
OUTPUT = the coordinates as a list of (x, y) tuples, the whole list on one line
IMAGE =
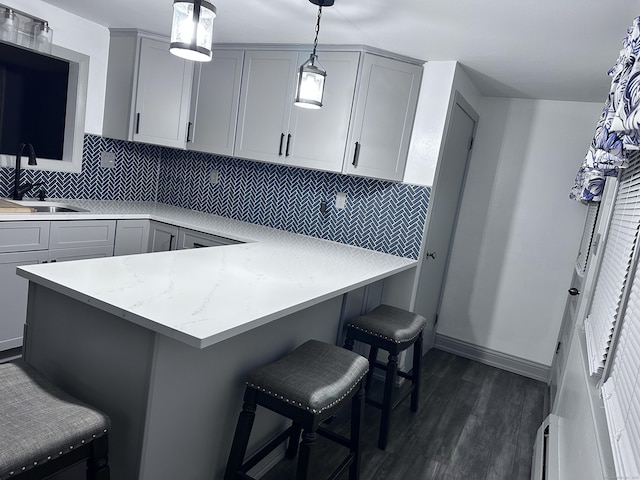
[(383, 216)]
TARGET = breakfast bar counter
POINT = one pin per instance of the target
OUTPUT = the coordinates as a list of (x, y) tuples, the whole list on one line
[(162, 341)]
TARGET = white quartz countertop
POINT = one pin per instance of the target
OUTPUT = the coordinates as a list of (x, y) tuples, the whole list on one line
[(203, 296)]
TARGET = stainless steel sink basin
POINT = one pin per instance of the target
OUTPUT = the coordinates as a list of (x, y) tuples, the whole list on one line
[(49, 207), (54, 209)]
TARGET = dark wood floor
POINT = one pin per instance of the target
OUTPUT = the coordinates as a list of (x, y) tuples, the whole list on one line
[(475, 422)]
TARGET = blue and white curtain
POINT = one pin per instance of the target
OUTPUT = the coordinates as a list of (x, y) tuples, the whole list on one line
[(618, 129)]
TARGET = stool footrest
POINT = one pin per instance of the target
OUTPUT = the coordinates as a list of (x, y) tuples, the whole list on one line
[(333, 436), (404, 393), (338, 471), (405, 375), (264, 451)]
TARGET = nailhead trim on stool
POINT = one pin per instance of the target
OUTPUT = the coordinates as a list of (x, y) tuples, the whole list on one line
[(394, 330), (39, 423), (307, 386)]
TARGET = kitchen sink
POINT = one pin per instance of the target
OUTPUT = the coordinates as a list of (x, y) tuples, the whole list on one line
[(49, 207), (55, 208)]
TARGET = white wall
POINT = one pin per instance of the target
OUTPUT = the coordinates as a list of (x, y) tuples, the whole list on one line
[(518, 232), (81, 35)]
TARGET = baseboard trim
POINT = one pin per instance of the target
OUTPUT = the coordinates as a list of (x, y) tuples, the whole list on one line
[(504, 361)]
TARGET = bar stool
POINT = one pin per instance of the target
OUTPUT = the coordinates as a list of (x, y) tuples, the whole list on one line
[(308, 386), (394, 330), (43, 430)]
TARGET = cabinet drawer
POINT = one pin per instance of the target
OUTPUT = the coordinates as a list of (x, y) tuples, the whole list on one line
[(82, 233), (192, 239), (83, 253), (23, 236)]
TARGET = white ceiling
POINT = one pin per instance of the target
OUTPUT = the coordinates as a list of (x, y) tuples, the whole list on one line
[(542, 49)]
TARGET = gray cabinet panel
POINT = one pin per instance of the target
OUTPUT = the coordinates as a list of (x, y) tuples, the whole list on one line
[(23, 236), (82, 233), (162, 237), (193, 239), (13, 296), (132, 237)]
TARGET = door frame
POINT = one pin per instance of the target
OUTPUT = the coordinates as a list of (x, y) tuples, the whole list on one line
[(459, 100)]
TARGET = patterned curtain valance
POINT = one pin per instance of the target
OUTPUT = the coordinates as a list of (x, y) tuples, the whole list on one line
[(618, 129)]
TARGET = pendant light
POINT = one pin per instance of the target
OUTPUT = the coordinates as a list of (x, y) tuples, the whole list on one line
[(192, 29), (310, 85)]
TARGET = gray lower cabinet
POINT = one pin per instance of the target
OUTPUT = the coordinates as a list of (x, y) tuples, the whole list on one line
[(24, 236), (162, 237), (13, 295), (193, 239), (132, 237), (32, 242)]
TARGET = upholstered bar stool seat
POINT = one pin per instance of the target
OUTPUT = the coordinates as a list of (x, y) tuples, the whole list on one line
[(44, 430), (308, 386), (394, 330)]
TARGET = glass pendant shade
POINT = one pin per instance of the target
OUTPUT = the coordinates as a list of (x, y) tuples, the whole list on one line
[(310, 89), (192, 29)]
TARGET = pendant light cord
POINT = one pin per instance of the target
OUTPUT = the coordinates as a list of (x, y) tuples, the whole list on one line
[(315, 41)]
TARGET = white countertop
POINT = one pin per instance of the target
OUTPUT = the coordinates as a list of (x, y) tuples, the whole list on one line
[(203, 296)]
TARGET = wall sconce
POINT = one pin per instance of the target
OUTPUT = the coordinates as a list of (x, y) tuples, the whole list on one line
[(192, 29), (310, 86), (24, 29), (9, 26)]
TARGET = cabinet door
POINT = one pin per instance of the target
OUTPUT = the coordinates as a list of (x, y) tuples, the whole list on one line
[(192, 239), (82, 233), (383, 120), (268, 82), (319, 136), (24, 236), (162, 237), (13, 296), (83, 253), (214, 103), (132, 237), (163, 94)]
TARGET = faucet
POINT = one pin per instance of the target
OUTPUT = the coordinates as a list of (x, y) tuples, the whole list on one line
[(20, 190)]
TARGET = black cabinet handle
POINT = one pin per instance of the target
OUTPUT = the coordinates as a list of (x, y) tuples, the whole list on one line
[(288, 142), (171, 237), (281, 141), (574, 291), (356, 155), (198, 245), (189, 124), (137, 122)]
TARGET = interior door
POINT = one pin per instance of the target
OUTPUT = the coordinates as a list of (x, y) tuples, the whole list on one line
[(443, 208)]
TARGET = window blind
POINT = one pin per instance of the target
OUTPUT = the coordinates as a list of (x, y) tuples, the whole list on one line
[(614, 270), (587, 237), (621, 391)]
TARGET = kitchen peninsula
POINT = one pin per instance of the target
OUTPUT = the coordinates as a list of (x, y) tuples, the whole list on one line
[(162, 342)]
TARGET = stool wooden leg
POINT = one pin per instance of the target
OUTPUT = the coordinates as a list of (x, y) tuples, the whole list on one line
[(415, 377), (304, 460), (357, 419), (98, 462), (294, 440), (373, 356), (348, 343), (241, 437), (385, 422)]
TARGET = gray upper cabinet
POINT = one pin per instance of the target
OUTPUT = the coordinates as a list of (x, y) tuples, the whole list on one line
[(148, 90), (268, 82), (383, 118), (214, 103), (271, 128), (318, 137)]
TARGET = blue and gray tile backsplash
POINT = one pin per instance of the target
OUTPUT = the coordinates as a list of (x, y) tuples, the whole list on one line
[(383, 216)]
